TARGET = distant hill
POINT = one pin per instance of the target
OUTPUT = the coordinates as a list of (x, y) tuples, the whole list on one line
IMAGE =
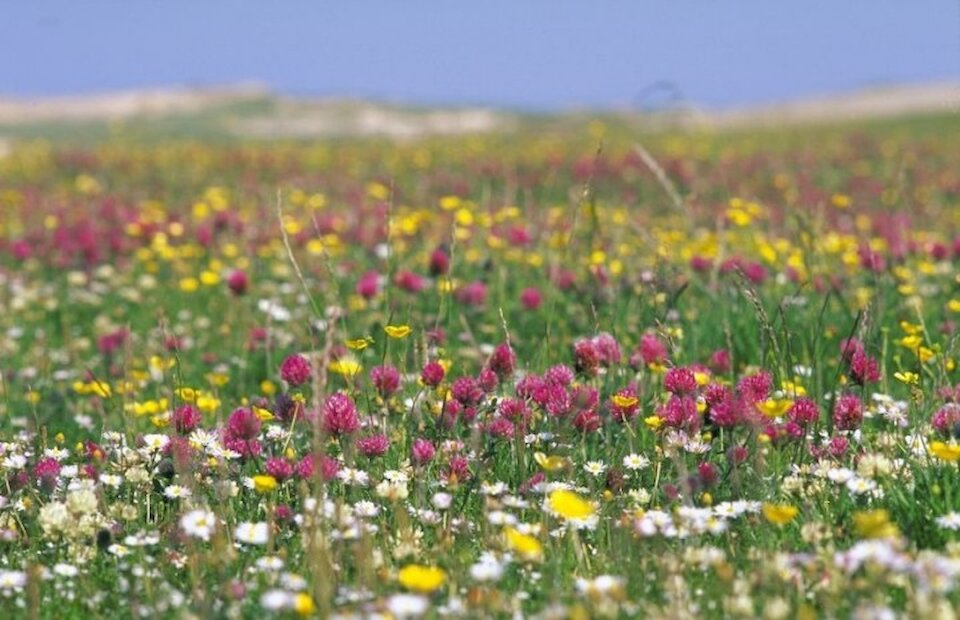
[(872, 103), (110, 106), (253, 111)]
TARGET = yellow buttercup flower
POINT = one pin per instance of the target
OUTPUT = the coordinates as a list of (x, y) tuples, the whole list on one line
[(910, 378), (207, 403), (264, 483), (624, 401), (359, 344), (550, 463), (378, 191), (775, 408), (739, 217), (189, 285), (209, 278), (949, 452), (345, 367), (423, 579), (653, 422), (911, 329), (187, 395), (450, 203), (779, 514), (101, 389), (569, 505), (525, 545), (262, 414), (840, 201), (398, 331), (217, 379), (303, 604), (86, 184), (911, 342), (875, 524), (793, 388)]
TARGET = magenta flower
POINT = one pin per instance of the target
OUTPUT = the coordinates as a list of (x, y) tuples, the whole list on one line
[(848, 413), (720, 361), (467, 391), (560, 374), (439, 262), (849, 347), (47, 472), (652, 350), (503, 361), (472, 294), (803, 412), (701, 264), (608, 348), (715, 394), (373, 446), (531, 298), (409, 281), (554, 398), (514, 410), (369, 285), (186, 418), (838, 446), (340, 415), (247, 448), (586, 357), (863, 368), (946, 418), (307, 465), (587, 421), (304, 467), (680, 412), (422, 452), (243, 424), (487, 380), (533, 482), (295, 370), (432, 374), (708, 474), (458, 469), (279, 468), (238, 282), (725, 413), (501, 428), (680, 381), (386, 379), (754, 388)]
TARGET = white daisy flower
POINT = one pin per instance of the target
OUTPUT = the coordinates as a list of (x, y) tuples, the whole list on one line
[(175, 491), (199, 524), (252, 533), (635, 462)]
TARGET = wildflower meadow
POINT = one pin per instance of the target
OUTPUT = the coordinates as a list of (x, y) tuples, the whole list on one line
[(555, 372)]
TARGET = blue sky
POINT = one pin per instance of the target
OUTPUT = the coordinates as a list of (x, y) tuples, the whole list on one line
[(526, 54)]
